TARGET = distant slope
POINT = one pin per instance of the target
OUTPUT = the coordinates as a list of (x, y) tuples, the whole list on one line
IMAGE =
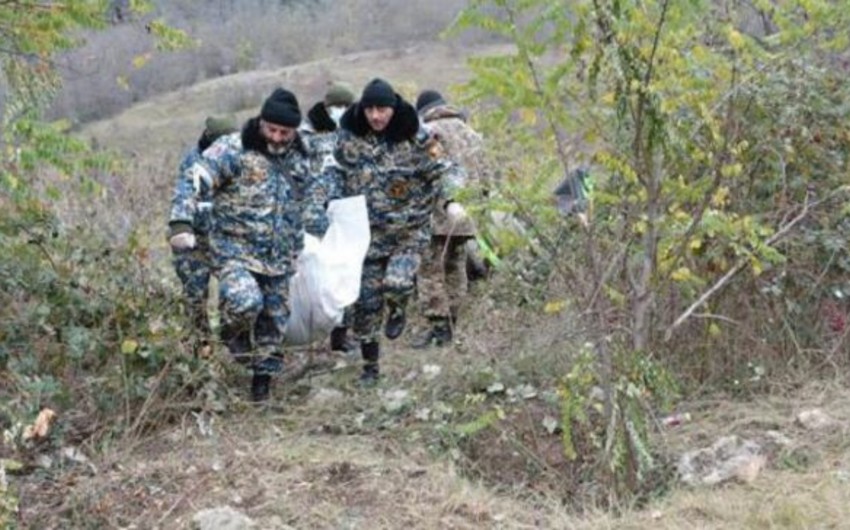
[(167, 124)]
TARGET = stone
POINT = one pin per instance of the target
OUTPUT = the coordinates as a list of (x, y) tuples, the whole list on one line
[(222, 518), (728, 459)]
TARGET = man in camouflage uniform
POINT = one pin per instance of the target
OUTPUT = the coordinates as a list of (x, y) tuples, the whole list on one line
[(442, 280), (323, 121), (320, 130), (383, 154), (256, 231), (193, 265)]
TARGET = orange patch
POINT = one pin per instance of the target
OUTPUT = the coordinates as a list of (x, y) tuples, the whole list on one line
[(435, 149), (398, 189)]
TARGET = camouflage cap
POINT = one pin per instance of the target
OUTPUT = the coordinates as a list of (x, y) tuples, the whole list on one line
[(216, 126), (339, 94)]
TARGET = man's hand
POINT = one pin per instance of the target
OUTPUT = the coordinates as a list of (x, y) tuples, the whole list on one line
[(456, 213), (183, 241)]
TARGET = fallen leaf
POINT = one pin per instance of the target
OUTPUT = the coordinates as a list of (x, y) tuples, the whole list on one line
[(10, 465), (41, 425)]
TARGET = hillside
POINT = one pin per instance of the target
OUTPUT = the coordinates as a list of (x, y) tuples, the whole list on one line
[(422, 450), (168, 123)]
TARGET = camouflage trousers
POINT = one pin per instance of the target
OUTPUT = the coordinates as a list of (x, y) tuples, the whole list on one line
[(442, 283), (254, 311), (389, 280), (193, 269)]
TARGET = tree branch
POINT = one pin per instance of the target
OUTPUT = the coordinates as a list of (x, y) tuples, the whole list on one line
[(719, 284)]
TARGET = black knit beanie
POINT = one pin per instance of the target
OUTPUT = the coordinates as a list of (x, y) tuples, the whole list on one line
[(428, 99), (378, 93), (281, 108)]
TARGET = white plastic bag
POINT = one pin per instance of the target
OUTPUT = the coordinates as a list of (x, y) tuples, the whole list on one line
[(327, 277)]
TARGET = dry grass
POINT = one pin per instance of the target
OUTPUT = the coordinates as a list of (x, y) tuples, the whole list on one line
[(288, 468), (280, 475)]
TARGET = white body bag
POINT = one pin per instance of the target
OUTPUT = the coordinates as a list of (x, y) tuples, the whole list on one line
[(327, 274)]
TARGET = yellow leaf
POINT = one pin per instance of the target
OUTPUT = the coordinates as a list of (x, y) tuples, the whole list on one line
[(720, 197), (122, 82), (12, 181), (757, 266), (555, 306), (695, 244), (129, 347), (681, 274), (528, 116), (714, 329), (11, 465), (736, 39)]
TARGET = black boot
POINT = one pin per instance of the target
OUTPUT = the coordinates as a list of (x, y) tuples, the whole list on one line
[(439, 334), (395, 322), (340, 340), (260, 386), (371, 371)]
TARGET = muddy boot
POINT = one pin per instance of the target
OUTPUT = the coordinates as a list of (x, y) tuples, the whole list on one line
[(341, 342), (395, 322), (371, 371), (439, 334)]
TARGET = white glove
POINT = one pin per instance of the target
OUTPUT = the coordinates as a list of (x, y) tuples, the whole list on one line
[(455, 213), (183, 241)]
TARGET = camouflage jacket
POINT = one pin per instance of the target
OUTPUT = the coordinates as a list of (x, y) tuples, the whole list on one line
[(256, 200), (401, 172), (184, 204), (323, 184), (320, 133), (464, 146)]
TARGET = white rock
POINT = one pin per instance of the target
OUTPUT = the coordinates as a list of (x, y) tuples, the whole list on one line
[(527, 391), (729, 458), (75, 456), (222, 518), (326, 395), (815, 420), (430, 371), (550, 424), (395, 400), (496, 388), (42, 461)]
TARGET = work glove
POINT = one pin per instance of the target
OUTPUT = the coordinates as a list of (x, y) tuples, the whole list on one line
[(456, 213), (183, 241)]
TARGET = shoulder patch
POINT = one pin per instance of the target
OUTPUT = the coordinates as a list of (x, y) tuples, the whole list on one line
[(435, 148)]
